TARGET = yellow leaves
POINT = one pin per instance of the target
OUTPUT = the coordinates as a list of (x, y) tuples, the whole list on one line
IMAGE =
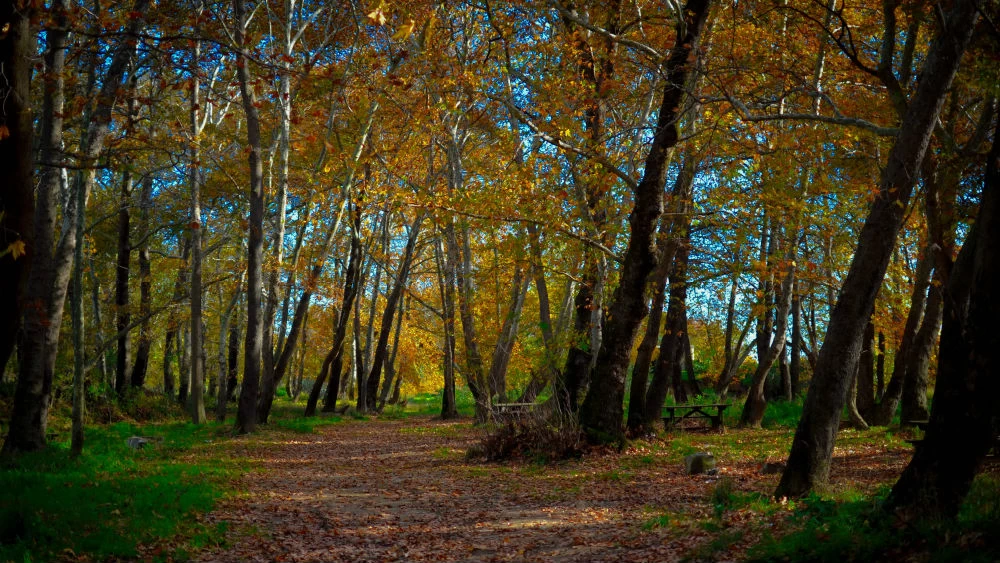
[(378, 15), (404, 31), (16, 249)]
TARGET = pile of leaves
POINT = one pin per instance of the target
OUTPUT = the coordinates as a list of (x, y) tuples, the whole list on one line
[(530, 438)]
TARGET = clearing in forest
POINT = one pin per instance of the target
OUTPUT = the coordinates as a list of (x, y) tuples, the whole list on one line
[(402, 490)]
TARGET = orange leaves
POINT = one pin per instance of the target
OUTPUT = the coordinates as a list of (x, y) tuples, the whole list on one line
[(378, 15)]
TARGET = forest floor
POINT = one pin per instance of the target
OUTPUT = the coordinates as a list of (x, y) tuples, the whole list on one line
[(402, 490)]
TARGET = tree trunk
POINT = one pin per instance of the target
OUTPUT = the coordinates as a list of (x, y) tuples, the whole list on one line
[(635, 421), (391, 378), (270, 383), (169, 354), (246, 416), (17, 207), (679, 200), (362, 363), (671, 345), (961, 429), (601, 411), (233, 358), (880, 368), (692, 378), (886, 409), (391, 302), (172, 341), (123, 316), (812, 448), (795, 361), (222, 398), (853, 415), (735, 352), (508, 335), (753, 408), (475, 380), (184, 365), (141, 365), (446, 285), (33, 394), (916, 378), (335, 355), (48, 281), (865, 393), (196, 402)]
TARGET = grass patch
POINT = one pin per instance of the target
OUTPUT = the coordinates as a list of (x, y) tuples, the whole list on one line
[(113, 498), (656, 522), (858, 530)]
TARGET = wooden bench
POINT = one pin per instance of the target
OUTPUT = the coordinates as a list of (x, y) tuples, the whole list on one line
[(505, 412), (673, 414), (993, 452)]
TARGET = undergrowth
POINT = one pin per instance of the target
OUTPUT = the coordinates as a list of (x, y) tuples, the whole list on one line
[(530, 438), (113, 498), (860, 530)]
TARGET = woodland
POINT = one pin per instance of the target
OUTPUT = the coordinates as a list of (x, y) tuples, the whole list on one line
[(300, 260)]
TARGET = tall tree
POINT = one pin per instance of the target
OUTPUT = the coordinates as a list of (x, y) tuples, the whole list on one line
[(17, 206), (601, 411), (48, 281), (246, 416), (812, 448)]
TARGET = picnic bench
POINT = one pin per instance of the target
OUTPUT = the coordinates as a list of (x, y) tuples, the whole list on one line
[(673, 414), (994, 450), (511, 411)]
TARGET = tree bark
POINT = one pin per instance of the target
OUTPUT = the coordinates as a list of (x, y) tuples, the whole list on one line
[(508, 335), (196, 402), (753, 408), (601, 411), (48, 282), (886, 409), (446, 284), (917, 361), (795, 361), (665, 376), (332, 364), (123, 316), (17, 206), (141, 365), (246, 416), (961, 430), (391, 378), (865, 396), (812, 448)]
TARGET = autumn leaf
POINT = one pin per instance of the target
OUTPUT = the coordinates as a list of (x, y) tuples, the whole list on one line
[(16, 249), (404, 31), (4, 132), (377, 16)]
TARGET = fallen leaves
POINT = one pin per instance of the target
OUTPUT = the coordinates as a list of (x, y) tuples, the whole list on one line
[(402, 491)]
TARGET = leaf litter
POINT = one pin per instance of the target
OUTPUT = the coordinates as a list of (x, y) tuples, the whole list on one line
[(402, 490)]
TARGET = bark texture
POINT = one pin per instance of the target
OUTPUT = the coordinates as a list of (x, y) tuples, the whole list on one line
[(812, 448)]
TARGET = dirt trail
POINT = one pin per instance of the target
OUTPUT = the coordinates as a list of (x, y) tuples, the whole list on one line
[(401, 491)]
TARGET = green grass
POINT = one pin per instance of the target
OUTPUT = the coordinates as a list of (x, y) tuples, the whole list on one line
[(113, 498), (426, 404), (858, 530)]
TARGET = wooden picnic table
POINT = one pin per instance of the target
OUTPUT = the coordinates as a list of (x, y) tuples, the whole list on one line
[(511, 411), (673, 414)]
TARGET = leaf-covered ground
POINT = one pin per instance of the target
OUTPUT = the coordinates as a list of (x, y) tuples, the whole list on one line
[(403, 491)]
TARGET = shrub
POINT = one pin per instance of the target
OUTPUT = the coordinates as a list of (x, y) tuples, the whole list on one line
[(531, 438)]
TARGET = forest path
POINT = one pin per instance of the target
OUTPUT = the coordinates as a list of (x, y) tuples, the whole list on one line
[(372, 491)]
